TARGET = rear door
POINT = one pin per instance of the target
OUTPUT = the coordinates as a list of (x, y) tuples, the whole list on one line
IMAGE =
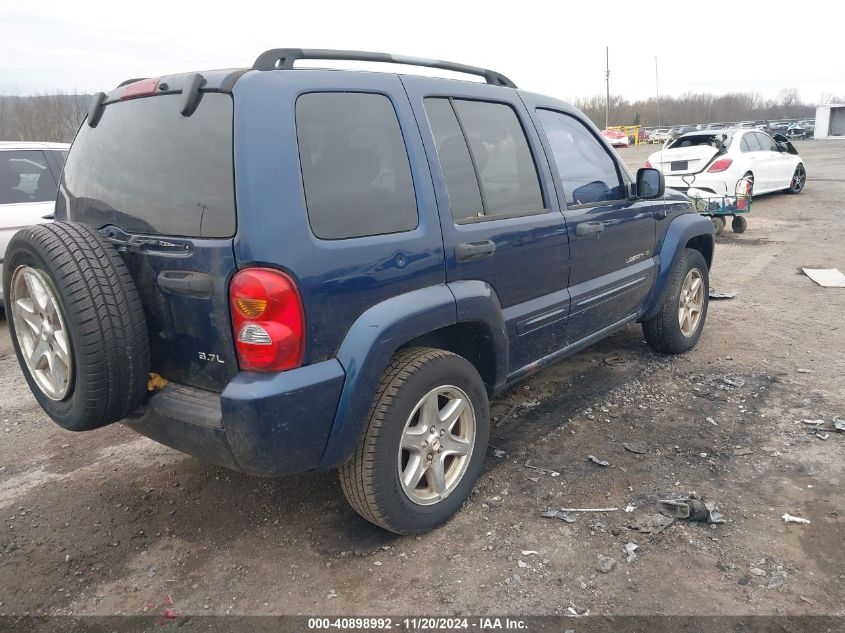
[(499, 216), (765, 164), (611, 235), (160, 185)]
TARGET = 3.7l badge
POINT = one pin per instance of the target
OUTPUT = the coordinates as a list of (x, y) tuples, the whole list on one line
[(211, 358)]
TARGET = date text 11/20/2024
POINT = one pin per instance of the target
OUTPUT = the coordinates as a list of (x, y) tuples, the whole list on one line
[(419, 624)]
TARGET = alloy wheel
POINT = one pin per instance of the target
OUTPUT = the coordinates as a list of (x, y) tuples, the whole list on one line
[(691, 302)]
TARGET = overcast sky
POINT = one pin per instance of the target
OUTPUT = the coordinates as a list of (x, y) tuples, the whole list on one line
[(555, 48)]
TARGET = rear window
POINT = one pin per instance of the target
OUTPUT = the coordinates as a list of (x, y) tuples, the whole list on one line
[(355, 166), (714, 140), (25, 177), (148, 169)]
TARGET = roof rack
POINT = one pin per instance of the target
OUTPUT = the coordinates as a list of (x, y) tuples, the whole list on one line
[(284, 58)]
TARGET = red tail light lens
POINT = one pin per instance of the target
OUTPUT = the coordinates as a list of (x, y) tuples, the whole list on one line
[(648, 164), (268, 320), (720, 165)]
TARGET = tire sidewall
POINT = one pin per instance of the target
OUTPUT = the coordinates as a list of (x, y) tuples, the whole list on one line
[(689, 260), (445, 370)]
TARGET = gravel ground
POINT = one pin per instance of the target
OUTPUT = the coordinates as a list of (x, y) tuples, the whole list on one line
[(108, 522)]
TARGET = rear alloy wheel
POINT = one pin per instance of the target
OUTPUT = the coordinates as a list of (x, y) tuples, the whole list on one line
[(424, 443), (799, 179)]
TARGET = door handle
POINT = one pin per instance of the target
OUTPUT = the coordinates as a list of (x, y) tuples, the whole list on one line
[(468, 251), (588, 228)]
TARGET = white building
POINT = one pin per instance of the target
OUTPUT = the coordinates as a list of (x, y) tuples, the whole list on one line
[(830, 121)]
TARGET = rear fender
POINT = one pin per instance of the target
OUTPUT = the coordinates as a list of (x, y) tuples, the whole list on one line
[(376, 335), (683, 228)]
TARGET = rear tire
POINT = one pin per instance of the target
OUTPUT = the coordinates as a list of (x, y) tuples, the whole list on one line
[(799, 179), (69, 280), (665, 330), (397, 443), (739, 224)]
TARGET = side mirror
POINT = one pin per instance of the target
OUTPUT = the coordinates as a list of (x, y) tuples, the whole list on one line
[(650, 183)]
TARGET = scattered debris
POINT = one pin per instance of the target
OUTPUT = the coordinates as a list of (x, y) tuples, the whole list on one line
[(651, 524), (542, 471), (598, 461), (793, 519), (742, 452), (615, 360), (757, 571), (813, 422), (522, 564), (498, 452), (826, 277), (775, 582), (807, 600), (822, 436), (507, 415), (331, 594), (557, 514), (635, 447), (715, 294), (711, 421), (733, 381), (630, 548), (692, 509), (801, 370), (604, 563), (630, 508), (589, 509), (530, 552), (839, 424)]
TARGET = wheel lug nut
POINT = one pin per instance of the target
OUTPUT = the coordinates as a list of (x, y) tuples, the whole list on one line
[(440, 450), (442, 432), (424, 444)]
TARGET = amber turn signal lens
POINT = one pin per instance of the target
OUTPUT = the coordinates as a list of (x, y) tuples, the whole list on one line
[(250, 308)]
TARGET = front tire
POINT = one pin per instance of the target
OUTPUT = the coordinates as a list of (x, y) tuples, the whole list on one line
[(677, 326), (424, 443)]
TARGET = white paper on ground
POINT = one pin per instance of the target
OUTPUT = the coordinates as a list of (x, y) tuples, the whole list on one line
[(826, 277)]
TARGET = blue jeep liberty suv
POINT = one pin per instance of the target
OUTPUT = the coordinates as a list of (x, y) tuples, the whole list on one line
[(284, 269)]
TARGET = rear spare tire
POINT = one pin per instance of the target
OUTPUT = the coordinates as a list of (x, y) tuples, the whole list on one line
[(77, 324)]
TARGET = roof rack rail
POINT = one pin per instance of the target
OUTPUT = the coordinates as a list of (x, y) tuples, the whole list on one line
[(284, 58)]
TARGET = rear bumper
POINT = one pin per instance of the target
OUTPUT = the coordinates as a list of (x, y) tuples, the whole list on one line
[(716, 183), (263, 424)]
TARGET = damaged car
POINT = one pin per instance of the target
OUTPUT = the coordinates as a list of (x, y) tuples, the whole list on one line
[(715, 161)]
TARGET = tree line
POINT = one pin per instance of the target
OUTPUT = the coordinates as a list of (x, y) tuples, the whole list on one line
[(56, 116), (692, 108)]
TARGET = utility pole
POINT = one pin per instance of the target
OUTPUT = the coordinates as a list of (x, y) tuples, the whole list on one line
[(607, 81), (657, 90)]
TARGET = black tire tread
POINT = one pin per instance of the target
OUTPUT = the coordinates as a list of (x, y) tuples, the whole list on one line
[(105, 315)]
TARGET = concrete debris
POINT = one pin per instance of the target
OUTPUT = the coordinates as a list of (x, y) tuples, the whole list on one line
[(522, 564), (530, 552), (630, 548), (733, 381), (813, 422), (715, 294), (692, 509), (839, 424), (651, 524), (629, 508), (793, 519), (557, 514), (711, 421), (822, 436), (635, 447), (757, 571), (605, 563), (598, 461)]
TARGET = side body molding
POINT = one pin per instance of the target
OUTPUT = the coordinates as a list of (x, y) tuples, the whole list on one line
[(682, 229)]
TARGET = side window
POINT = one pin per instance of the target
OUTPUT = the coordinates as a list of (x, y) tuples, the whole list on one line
[(25, 177), (355, 166), (767, 143), (485, 158), (455, 161), (587, 171), (749, 141)]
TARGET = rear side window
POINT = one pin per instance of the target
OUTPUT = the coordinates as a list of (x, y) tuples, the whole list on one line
[(25, 177), (587, 172), (767, 143), (750, 143), (355, 166), (148, 169)]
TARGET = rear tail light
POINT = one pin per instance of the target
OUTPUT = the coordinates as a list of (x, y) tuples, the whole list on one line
[(648, 164), (720, 165), (268, 320)]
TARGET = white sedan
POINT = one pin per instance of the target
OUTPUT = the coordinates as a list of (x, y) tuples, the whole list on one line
[(29, 176), (714, 161)]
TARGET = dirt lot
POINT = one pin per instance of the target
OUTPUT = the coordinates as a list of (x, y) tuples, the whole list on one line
[(107, 522)]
